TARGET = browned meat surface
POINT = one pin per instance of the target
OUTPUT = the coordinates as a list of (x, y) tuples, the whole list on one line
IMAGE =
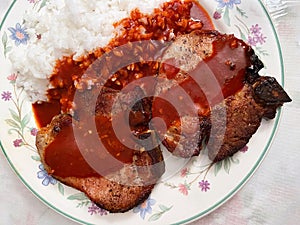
[(234, 121), (226, 98), (207, 90), (120, 187)]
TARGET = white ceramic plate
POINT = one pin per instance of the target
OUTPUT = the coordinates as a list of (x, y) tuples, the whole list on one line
[(186, 196)]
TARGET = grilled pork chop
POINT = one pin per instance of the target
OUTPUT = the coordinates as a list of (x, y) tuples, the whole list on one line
[(116, 184), (219, 97), (208, 90)]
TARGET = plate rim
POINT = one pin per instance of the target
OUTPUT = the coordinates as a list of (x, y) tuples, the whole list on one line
[(218, 203)]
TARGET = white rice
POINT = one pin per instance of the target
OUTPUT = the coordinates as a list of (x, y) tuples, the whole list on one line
[(67, 27)]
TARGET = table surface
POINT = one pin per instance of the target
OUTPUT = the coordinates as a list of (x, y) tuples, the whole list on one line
[(272, 196)]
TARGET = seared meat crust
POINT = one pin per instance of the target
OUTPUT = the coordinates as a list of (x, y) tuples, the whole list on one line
[(225, 126), (234, 121), (120, 190), (229, 124)]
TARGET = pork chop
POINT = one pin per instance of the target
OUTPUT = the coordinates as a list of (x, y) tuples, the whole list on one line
[(217, 95), (116, 183)]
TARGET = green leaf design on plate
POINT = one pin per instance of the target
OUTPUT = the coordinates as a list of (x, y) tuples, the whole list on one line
[(227, 164), (170, 185), (163, 207), (61, 188), (13, 130), (12, 123), (14, 115), (36, 158), (218, 167), (241, 12), (78, 196), (4, 39), (7, 49), (157, 215), (235, 161), (25, 120), (226, 17), (261, 51), (82, 204), (43, 4), (242, 35), (154, 217), (4, 42)]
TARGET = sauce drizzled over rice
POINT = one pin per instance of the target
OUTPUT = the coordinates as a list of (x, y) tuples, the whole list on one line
[(173, 18), (62, 48), (66, 27), (76, 79)]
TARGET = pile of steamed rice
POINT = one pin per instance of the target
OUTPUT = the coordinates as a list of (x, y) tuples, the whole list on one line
[(66, 27)]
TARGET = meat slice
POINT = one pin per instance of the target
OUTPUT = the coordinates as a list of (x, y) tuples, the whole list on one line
[(209, 91), (113, 176)]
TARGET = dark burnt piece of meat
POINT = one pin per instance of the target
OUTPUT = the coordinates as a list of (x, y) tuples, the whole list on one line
[(226, 97)]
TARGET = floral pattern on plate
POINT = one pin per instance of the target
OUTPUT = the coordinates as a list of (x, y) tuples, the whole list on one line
[(194, 179), (85, 202)]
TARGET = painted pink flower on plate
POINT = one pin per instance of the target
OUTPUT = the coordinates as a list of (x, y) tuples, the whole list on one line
[(6, 95), (18, 142), (244, 150), (33, 1), (256, 36), (184, 172), (33, 131), (12, 78), (94, 209), (255, 29), (204, 185), (217, 15), (184, 189)]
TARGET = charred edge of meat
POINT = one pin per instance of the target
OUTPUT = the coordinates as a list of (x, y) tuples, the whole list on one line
[(267, 91), (140, 116), (205, 128), (270, 94), (158, 164), (256, 65), (64, 120), (143, 197)]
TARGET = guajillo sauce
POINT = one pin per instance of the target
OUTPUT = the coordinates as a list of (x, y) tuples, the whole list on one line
[(82, 153), (64, 155), (213, 79)]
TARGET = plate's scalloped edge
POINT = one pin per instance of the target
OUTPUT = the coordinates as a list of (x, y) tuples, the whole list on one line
[(219, 203)]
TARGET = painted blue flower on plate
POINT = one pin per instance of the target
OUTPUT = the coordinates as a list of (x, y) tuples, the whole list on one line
[(19, 34), (228, 3), (47, 179), (145, 207)]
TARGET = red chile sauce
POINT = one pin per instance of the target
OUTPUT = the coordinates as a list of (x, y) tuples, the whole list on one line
[(227, 65), (62, 155)]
